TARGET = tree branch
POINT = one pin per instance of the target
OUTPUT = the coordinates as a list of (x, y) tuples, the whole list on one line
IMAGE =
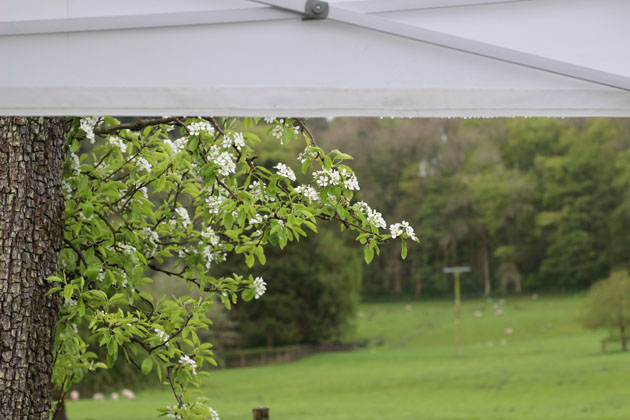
[(136, 125)]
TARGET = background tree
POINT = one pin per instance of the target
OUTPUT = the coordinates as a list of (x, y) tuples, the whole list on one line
[(608, 306)]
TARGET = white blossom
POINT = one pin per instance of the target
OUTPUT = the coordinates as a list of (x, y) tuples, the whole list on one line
[(214, 203), (350, 181), (128, 248), (210, 236), (144, 164), (259, 286), (309, 192), (213, 414), (277, 131), (269, 120), (70, 302), (161, 335), (254, 188), (374, 218), (257, 219), (67, 189), (101, 275), (197, 127), (87, 125), (307, 154), (284, 171), (171, 412), (124, 277), (118, 143), (234, 139), (186, 361), (178, 145), (402, 228), (75, 162), (223, 160), (183, 214), (325, 177)]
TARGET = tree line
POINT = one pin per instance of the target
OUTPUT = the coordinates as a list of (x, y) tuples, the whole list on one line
[(530, 203)]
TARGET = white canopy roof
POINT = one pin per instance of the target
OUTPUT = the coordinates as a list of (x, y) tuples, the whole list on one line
[(369, 57)]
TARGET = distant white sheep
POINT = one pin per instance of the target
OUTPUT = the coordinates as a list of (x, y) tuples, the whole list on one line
[(128, 394), (74, 395), (98, 396)]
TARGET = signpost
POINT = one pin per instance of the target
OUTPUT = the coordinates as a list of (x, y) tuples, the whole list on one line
[(457, 270)]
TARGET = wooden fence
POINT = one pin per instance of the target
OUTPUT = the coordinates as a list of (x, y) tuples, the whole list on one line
[(255, 357)]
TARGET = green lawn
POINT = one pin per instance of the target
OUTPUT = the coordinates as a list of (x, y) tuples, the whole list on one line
[(549, 368)]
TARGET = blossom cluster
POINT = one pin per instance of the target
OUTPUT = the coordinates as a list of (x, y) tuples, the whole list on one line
[(260, 287), (197, 127), (402, 228), (343, 178), (118, 143), (223, 160), (87, 125), (309, 192), (161, 335), (189, 363), (284, 171), (374, 218)]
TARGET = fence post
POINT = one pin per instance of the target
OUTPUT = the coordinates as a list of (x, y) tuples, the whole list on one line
[(261, 413)]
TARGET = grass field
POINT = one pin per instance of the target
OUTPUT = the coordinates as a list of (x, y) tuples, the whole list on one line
[(549, 368)]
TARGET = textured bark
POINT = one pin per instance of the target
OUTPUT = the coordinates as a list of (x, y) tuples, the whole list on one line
[(31, 234)]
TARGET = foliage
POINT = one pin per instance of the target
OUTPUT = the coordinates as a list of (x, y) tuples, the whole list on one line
[(177, 196), (608, 306)]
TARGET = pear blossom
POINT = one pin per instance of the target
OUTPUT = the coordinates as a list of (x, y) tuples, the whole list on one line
[(87, 125), (186, 361), (402, 228), (183, 214), (213, 414), (118, 143), (309, 192), (75, 163), (260, 287), (197, 127), (144, 164), (284, 171)]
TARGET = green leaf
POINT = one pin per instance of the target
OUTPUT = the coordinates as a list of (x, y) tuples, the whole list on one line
[(403, 250), (147, 365), (260, 253), (249, 260), (368, 253), (88, 209), (68, 290), (248, 294)]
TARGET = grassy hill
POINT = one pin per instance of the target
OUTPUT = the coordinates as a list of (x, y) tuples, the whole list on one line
[(548, 368)]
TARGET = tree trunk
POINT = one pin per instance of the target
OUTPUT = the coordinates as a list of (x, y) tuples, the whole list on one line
[(418, 291), (486, 267), (31, 234), (624, 339)]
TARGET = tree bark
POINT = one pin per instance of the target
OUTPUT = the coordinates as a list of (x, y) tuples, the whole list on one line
[(31, 234)]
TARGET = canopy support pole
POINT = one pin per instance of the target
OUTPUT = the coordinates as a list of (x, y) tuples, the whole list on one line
[(380, 24)]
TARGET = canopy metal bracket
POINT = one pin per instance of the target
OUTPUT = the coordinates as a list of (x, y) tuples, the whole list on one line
[(315, 9)]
